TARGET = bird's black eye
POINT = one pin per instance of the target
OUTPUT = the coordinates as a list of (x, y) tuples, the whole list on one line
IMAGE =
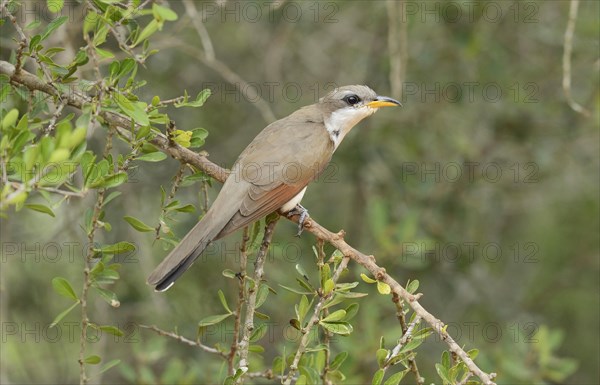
[(351, 99)]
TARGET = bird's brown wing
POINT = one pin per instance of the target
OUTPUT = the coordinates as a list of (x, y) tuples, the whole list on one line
[(293, 153)]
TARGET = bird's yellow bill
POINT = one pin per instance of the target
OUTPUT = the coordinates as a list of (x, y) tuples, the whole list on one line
[(383, 103)]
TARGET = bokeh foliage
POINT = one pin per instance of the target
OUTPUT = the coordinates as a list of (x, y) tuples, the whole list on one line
[(506, 252)]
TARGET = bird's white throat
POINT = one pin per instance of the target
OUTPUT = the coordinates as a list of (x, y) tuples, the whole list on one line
[(341, 121)]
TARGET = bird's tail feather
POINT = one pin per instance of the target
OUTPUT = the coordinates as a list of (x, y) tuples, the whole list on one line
[(182, 256)]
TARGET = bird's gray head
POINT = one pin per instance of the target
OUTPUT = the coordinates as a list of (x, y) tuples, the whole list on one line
[(345, 106)]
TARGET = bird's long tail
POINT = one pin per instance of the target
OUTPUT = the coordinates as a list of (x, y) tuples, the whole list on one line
[(184, 254)]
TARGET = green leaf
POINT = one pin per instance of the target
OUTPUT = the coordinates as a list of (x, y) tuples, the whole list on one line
[(395, 378), (337, 256), (118, 248), (115, 331), (261, 296), (305, 285), (64, 288), (163, 13), (189, 208), (228, 273), (258, 333), (153, 157), (261, 315), (378, 377), (92, 360), (412, 286), (40, 208), (383, 288), (110, 197), (109, 365), (104, 54), (381, 355), (109, 296), (111, 180), (446, 359), (411, 345), (422, 334), (224, 301), (146, 32), (63, 314), (473, 353), (302, 308), (256, 349), (295, 290), (200, 99), (10, 119), (132, 109), (351, 311), (325, 273), (366, 278), (137, 224), (337, 315), (213, 319), (328, 286), (341, 328), (295, 324), (54, 24), (338, 360), (198, 137), (55, 6), (443, 373), (301, 380), (301, 271)]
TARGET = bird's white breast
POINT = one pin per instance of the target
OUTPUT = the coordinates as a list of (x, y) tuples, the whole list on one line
[(341, 121)]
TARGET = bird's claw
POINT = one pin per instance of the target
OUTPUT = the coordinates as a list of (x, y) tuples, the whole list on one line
[(303, 213)]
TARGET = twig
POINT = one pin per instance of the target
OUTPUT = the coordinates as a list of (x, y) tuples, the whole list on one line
[(566, 60), (174, 188), (241, 296), (326, 333), (123, 125), (253, 292), (87, 282), (192, 12), (186, 341), (412, 363), (314, 320), (116, 34), (406, 337), (55, 115)]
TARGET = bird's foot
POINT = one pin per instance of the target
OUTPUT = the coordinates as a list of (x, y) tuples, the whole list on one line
[(303, 213)]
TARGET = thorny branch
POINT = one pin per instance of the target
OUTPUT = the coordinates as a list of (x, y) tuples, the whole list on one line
[(123, 125)]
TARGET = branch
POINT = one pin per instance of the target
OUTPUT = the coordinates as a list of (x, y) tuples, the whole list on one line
[(314, 320), (405, 334), (566, 60), (241, 297), (252, 294), (123, 125), (397, 45), (186, 341)]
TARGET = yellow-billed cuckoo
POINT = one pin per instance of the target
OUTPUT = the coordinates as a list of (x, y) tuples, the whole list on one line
[(273, 171)]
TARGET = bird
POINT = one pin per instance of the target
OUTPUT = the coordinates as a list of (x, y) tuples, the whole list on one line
[(273, 171)]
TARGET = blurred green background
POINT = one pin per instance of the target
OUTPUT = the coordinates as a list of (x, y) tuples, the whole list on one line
[(484, 187)]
